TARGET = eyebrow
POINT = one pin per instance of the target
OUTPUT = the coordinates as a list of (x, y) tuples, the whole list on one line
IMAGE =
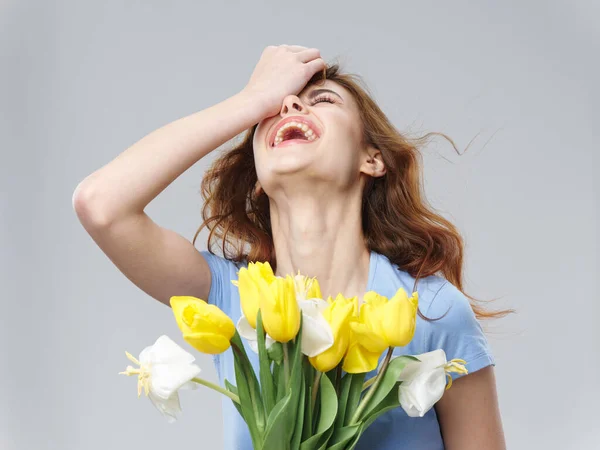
[(316, 92)]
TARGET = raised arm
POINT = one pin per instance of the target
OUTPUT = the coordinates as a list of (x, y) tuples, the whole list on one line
[(110, 202)]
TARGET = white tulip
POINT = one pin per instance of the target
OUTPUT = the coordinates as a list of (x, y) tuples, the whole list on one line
[(424, 381), (316, 331), (164, 368), (250, 334)]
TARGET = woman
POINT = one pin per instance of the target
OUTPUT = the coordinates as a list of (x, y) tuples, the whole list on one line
[(323, 184)]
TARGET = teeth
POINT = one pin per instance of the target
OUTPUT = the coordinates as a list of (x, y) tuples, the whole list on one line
[(308, 133)]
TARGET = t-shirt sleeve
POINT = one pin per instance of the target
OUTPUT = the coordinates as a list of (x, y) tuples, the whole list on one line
[(222, 271), (458, 332)]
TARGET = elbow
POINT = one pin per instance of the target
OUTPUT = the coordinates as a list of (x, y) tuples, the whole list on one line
[(87, 204)]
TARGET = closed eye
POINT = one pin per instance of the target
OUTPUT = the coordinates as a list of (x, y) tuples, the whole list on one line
[(322, 99)]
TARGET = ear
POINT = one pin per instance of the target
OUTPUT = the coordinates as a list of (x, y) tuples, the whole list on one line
[(373, 164), (258, 190)]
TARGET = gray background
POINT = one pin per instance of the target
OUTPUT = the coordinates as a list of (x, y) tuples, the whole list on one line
[(82, 80)]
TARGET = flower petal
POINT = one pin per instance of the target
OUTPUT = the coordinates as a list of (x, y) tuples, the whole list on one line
[(427, 362), (367, 338), (316, 331), (359, 359), (169, 408), (165, 351), (247, 332), (418, 395), (210, 343), (166, 379)]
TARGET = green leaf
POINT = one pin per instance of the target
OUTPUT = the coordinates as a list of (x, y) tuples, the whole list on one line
[(308, 415), (282, 420), (248, 390), (329, 406), (279, 377), (354, 394), (276, 433), (342, 400), (266, 378), (296, 378), (341, 436), (247, 408), (298, 426), (231, 388), (390, 378), (309, 376), (390, 402)]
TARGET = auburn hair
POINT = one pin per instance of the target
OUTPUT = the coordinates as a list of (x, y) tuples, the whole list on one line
[(397, 220)]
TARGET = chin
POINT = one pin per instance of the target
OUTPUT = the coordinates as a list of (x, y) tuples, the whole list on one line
[(292, 162)]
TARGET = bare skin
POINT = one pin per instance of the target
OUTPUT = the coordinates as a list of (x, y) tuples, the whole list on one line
[(469, 414), (314, 190)]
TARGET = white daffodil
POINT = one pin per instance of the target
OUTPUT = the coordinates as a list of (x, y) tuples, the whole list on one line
[(164, 368), (424, 381)]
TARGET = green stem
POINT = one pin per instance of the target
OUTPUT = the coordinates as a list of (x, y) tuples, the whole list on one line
[(368, 383), (338, 379), (315, 390), (286, 364), (217, 388), (369, 394)]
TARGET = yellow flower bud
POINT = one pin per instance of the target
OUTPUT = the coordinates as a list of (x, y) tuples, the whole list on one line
[(358, 359), (399, 318), (253, 282), (279, 309), (205, 327), (381, 324), (338, 314), (387, 323)]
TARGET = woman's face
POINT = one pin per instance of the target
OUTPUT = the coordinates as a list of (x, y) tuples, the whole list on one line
[(317, 135)]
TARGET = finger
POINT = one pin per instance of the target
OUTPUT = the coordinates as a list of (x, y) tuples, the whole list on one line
[(309, 54), (315, 65), (294, 48)]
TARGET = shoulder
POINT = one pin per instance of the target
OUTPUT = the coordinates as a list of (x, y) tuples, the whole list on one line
[(222, 272), (388, 278), (450, 322), (219, 265), (455, 329), (437, 296)]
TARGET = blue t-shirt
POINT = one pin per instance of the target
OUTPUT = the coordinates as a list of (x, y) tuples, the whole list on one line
[(458, 333)]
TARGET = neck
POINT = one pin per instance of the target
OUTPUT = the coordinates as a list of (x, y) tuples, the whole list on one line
[(322, 237)]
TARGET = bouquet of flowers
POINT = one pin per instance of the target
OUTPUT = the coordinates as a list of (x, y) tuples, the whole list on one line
[(314, 354)]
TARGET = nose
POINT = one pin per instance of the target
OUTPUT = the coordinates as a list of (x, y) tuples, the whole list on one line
[(292, 105)]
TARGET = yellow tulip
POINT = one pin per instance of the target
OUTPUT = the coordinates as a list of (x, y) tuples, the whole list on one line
[(381, 324), (338, 314), (279, 310), (205, 327), (399, 318), (358, 359), (386, 323), (253, 282)]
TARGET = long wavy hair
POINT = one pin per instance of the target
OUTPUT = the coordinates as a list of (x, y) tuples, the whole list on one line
[(397, 220)]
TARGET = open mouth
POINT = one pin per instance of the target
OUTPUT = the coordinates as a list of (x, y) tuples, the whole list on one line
[(294, 131), (294, 134)]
